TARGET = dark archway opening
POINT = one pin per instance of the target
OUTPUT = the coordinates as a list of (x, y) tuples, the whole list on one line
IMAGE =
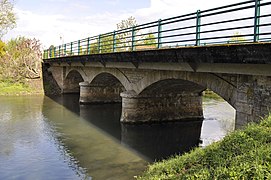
[(71, 82)]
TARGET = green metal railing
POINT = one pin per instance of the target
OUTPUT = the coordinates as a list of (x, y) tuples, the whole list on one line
[(244, 22)]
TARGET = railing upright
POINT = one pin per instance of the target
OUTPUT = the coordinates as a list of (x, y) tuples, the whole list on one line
[(133, 38), (159, 42), (54, 52), (78, 47), (65, 49), (71, 48), (99, 44), (114, 41), (257, 21), (198, 28), (59, 51), (88, 46)]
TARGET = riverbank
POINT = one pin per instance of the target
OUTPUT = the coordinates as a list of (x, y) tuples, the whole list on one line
[(28, 88), (243, 154)]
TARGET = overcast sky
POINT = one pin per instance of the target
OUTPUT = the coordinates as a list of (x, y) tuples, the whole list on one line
[(58, 21)]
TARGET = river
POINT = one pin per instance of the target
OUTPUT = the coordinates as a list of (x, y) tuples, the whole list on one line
[(56, 138)]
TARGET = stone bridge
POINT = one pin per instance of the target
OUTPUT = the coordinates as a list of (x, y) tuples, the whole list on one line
[(167, 84)]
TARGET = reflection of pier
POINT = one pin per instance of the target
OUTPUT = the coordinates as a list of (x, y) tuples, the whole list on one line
[(158, 141), (152, 141)]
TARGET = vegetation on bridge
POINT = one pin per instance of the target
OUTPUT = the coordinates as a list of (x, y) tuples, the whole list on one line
[(243, 154)]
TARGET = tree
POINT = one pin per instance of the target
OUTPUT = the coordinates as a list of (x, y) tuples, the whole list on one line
[(237, 38), (125, 37), (2, 49), (22, 60), (106, 45), (150, 40), (7, 17)]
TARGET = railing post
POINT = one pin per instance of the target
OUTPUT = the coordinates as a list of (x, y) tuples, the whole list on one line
[(99, 44), (114, 41), (159, 42), (133, 38), (78, 47), (71, 48), (88, 46), (44, 54), (257, 21), (65, 49), (59, 51), (54, 52), (198, 28)]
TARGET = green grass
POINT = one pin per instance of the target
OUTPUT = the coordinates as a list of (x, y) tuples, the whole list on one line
[(7, 88), (243, 154), (211, 95)]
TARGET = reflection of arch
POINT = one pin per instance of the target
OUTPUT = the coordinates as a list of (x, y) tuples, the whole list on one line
[(71, 82), (198, 81)]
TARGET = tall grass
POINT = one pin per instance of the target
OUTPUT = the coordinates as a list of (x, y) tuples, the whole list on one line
[(7, 88)]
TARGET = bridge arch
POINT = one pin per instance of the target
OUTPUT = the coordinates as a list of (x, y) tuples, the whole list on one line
[(103, 88), (71, 81), (195, 82)]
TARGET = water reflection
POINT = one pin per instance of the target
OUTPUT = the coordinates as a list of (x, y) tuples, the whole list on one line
[(100, 154), (42, 139), (151, 141), (28, 147), (159, 141)]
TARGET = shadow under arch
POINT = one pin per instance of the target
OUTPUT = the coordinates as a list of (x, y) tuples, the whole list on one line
[(170, 87), (104, 88), (71, 82)]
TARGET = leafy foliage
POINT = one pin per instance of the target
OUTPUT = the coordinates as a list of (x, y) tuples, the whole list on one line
[(21, 61), (2, 49), (7, 17), (244, 154), (125, 37)]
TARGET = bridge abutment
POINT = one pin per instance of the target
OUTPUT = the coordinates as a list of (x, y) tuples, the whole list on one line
[(98, 93), (253, 99), (160, 108)]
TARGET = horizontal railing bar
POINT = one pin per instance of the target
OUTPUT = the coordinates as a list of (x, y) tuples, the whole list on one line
[(228, 6), (178, 17), (181, 20), (265, 3), (177, 35), (227, 21), (222, 37), (227, 29), (177, 29)]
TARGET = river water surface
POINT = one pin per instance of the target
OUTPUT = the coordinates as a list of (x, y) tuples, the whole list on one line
[(56, 138)]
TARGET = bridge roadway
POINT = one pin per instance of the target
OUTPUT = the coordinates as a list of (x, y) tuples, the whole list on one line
[(167, 84)]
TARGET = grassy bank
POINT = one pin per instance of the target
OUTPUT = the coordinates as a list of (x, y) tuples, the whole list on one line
[(208, 94), (7, 88), (243, 154)]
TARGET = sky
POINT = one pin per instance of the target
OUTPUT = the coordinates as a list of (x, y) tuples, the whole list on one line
[(55, 22)]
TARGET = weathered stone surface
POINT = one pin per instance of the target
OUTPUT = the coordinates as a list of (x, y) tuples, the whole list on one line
[(171, 88), (95, 94), (137, 109)]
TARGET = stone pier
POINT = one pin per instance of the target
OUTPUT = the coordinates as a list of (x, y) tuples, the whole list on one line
[(171, 107), (99, 93)]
